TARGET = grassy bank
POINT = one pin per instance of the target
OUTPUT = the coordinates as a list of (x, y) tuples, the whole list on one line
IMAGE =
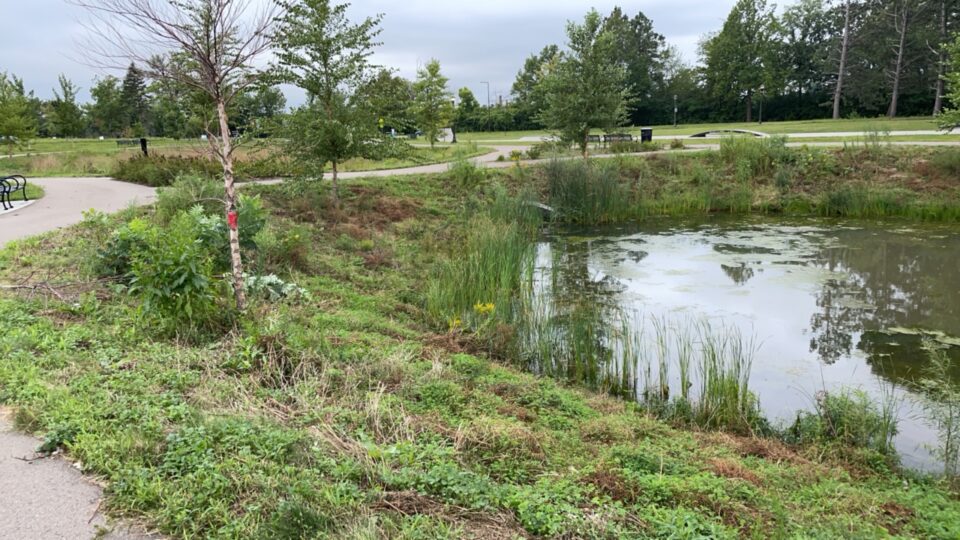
[(170, 158), (365, 406)]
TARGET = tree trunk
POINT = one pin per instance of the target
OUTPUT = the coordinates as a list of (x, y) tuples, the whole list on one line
[(226, 158), (749, 107), (335, 187), (942, 61), (844, 48), (898, 70)]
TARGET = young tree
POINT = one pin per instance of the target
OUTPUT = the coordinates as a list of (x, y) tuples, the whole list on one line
[(106, 112), (432, 105), (17, 125), (217, 41), (322, 52), (66, 116), (467, 110), (588, 88)]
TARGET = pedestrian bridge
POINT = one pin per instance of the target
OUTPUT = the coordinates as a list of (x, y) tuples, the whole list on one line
[(721, 132)]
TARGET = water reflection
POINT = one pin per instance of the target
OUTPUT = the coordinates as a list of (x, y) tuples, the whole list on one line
[(826, 299)]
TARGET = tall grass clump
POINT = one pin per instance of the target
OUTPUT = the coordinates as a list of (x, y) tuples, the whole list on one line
[(942, 404), (587, 192), (864, 202), (725, 361), (753, 157), (851, 419), (481, 282)]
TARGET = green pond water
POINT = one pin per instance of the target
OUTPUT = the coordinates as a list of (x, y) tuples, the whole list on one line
[(823, 304)]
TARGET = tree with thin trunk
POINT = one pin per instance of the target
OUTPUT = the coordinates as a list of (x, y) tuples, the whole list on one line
[(903, 13), (842, 69), (432, 105), (207, 45), (322, 52)]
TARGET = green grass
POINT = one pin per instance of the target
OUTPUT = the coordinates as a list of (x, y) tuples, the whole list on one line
[(354, 414), (88, 157), (773, 128)]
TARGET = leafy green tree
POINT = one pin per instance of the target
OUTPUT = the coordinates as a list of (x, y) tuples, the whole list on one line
[(66, 116), (588, 88), (804, 38), (106, 112), (528, 92), (17, 124), (738, 58), (134, 98), (951, 116), (391, 99), (432, 107), (254, 110), (466, 116), (322, 52), (640, 50)]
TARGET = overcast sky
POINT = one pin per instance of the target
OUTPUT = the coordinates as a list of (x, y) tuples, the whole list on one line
[(474, 41)]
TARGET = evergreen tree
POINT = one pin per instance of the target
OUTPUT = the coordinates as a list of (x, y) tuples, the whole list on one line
[(134, 98)]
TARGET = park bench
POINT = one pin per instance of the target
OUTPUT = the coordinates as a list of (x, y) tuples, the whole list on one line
[(10, 185), (617, 137)]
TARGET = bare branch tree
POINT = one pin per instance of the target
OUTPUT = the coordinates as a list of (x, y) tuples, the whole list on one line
[(207, 45)]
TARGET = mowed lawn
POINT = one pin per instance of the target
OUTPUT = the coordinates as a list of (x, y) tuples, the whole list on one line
[(773, 128)]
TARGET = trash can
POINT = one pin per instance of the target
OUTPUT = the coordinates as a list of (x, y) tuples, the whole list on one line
[(646, 135)]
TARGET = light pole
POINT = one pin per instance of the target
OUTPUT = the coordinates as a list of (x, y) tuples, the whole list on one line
[(488, 91), (675, 110)]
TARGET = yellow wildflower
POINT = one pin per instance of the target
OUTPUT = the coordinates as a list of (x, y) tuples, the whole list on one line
[(483, 309)]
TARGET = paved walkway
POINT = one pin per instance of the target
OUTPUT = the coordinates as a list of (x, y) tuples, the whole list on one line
[(65, 201), (48, 498)]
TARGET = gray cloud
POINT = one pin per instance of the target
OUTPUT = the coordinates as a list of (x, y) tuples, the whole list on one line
[(474, 41)]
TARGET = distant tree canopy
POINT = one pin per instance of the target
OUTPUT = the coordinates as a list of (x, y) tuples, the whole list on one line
[(866, 58)]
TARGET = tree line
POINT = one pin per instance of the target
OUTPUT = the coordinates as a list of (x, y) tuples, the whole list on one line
[(816, 59)]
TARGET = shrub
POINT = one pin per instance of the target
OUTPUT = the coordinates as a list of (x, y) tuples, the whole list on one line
[(849, 418), (115, 259), (186, 192), (548, 149), (754, 157), (677, 144), (159, 171), (633, 147), (174, 276), (466, 173)]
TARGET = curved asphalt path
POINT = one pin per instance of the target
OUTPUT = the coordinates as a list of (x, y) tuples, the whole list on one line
[(49, 498)]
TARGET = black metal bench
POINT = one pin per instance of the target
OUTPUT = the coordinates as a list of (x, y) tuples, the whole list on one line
[(617, 137), (10, 185)]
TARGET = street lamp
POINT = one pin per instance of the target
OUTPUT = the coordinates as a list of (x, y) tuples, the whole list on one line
[(488, 91), (675, 110)]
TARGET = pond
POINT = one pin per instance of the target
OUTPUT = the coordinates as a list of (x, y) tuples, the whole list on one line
[(821, 305)]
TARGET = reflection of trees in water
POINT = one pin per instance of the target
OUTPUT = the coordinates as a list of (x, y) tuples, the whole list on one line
[(739, 274), (891, 280)]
